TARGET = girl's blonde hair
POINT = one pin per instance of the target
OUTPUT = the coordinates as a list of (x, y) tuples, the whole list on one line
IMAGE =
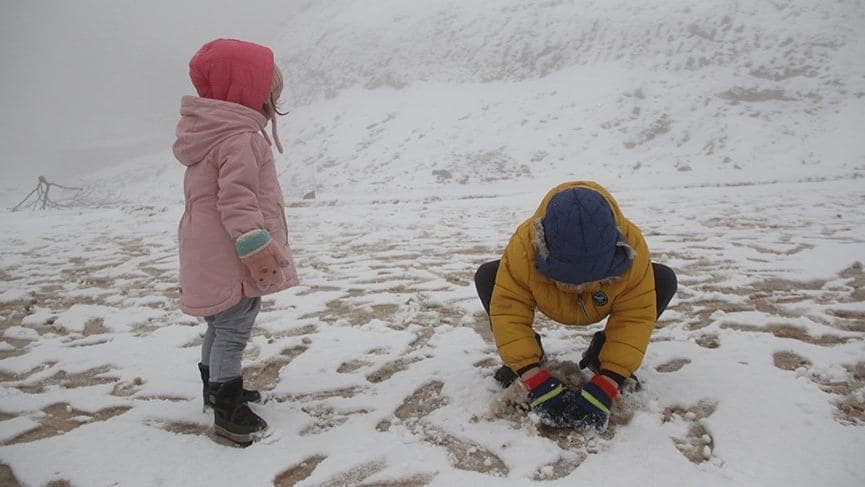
[(269, 108), (273, 97)]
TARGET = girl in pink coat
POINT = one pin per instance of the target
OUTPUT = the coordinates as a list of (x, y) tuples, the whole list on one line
[(233, 237)]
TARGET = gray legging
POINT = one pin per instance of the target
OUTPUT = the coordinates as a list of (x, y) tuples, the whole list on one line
[(226, 337)]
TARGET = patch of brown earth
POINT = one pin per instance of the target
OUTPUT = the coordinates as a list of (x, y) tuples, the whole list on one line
[(299, 472), (389, 369), (356, 315), (421, 339), (126, 389), (326, 418), (184, 427), (89, 377), (481, 326), (61, 418), (850, 405), (560, 468), (95, 326), (464, 454), (355, 475), (673, 365), (708, 340), (264, 377), (787, 360), (697, 445), (351, 366), (856, 275), (344, 392), (292, 332), (317, 289), (486, 363), (783, 330), (10, 377), (417, 480), (423, 401), (7, 477)]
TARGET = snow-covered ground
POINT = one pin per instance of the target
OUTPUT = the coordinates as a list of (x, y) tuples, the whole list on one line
[(730, 133)]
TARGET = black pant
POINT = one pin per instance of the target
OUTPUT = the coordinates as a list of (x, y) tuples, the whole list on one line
[(665, 284)]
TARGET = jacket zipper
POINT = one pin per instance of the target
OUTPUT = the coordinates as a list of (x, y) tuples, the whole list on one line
[(583, 306)]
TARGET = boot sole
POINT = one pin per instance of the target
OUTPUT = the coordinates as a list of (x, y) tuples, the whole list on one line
[(243, 440)]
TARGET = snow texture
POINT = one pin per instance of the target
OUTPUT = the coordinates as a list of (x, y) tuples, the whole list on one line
[(427, 131)]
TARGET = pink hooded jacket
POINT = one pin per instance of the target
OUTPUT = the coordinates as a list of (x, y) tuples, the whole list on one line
[(231, 185)]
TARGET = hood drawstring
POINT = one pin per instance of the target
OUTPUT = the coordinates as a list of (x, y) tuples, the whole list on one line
[(275, 134), (275, 141)]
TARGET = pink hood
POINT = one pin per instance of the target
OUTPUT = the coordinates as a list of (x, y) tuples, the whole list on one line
[(204, 123), (232, 70)]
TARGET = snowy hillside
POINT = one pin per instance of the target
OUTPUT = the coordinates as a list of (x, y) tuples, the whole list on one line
[(408, 94), (728, 131)]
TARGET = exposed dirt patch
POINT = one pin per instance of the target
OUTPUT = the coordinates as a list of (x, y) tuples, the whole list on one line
[(61, 418), (95, 326), (851, 403), (352, 365), (421, 340), (317, 289), (848, 320), (7, 477), (673, 365), (856, 276), (700, 310), (296, 473), (417, 480), (422, 402), (787, 360), (184, 427), (777, 285), (325, 418), (344, 392), (163, 397), (126, 389), (9, 377), (263, 377), (356, 475), (355, 314), (90, 377), (464, 454), (560, 468), (11, 313), (487, 363), (708, 340), (783, 330), (292, 332), (697, 444), (389, 369)]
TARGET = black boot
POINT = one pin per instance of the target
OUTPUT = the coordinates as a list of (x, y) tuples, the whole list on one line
[(246, 396), (232, 418)]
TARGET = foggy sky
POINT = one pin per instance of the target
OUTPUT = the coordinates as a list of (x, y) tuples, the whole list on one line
[(88, 83)]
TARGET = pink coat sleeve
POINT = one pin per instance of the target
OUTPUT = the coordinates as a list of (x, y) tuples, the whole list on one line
[(238, 180)]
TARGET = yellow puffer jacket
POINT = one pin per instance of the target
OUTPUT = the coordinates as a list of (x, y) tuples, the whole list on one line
[(520, 289)]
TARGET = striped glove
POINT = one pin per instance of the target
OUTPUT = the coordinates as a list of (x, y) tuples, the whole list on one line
[(561, 407)]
